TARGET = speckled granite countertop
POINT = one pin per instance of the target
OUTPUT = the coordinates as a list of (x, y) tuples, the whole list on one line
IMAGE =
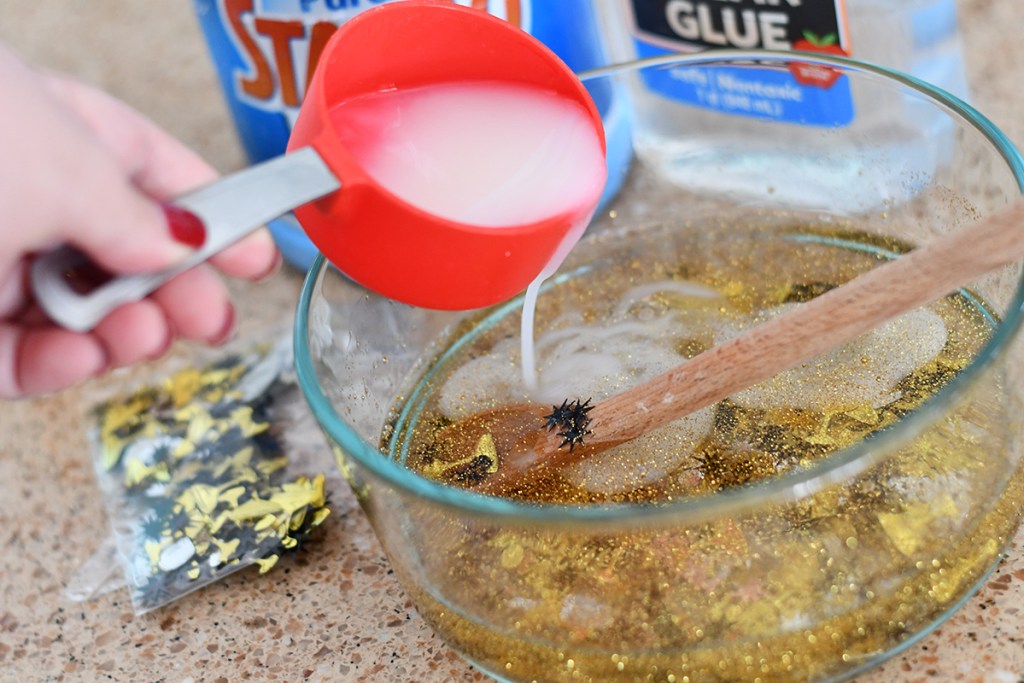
[(334, 612)]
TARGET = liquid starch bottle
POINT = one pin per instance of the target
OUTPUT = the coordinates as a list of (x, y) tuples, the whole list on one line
[(266, 50), (919, 37)]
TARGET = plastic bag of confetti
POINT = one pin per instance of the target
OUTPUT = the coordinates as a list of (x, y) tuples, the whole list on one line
[(197, 477)]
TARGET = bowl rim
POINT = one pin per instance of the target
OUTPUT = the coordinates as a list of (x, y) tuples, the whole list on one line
[(798, 483)]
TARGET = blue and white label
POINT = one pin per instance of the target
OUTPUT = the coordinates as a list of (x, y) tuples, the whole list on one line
[(805, 94)]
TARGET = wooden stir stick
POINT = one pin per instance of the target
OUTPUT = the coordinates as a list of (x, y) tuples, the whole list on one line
[(797, 336)]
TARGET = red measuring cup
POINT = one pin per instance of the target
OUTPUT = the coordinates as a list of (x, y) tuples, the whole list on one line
[(375, 237)]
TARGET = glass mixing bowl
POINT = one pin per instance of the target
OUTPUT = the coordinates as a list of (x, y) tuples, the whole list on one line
[(804, 529)]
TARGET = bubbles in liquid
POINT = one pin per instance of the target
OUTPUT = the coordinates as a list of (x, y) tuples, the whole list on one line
[(637, 324), (862, 372)]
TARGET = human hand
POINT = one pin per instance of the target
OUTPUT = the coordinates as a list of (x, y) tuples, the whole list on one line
[(79, 167)]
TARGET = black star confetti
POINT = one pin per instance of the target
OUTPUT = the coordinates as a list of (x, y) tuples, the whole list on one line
[(573, 419), (196, 468)]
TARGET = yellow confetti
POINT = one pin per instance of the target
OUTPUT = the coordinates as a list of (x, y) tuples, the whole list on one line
[(512, 556), (486, 447), (183, 386), (226, 548), (242, 418), (265, 523), (136, 472), (200, 497), (910, 529), (120, 414), (267, 563), (239, 462), (269, 466), (254, 508), (300, 493), (199, 426), (221, 498), (231, 495), (864, 414), (297, 519), (320, 515), (153, 549), (184, 449)]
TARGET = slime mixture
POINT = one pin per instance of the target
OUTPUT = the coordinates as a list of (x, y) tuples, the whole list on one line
[(815, 584)]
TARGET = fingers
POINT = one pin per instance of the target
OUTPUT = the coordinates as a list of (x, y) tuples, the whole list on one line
[(13, 290), (121, 161), (135, 332), (254, 258), (60, 183), (39, 358), (159, 166), (39, 361), (194, 306), (197, 306), (83, 168), (157, 163)]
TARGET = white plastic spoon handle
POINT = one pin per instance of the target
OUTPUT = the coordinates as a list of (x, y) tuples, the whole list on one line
[(230, 208)]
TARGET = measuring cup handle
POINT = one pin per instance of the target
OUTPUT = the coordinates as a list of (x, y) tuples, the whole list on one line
[(229, 208)]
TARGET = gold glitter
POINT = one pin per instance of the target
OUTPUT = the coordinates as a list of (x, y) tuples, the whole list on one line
[(787, 592)]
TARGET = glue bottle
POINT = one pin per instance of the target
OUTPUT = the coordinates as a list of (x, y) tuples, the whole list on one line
[(918, 37), (265, 51)]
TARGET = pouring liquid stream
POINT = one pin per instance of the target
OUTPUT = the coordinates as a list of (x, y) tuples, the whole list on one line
[(493, 155)]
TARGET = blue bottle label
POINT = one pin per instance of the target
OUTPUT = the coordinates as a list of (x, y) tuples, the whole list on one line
[(807, 94), (265, 51)]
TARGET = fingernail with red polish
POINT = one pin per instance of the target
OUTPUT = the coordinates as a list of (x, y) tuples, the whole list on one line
[(185, 226)]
